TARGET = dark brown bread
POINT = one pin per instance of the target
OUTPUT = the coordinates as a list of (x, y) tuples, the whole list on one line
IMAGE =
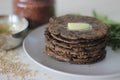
[(58, 26), (76, 59), (75, 46)]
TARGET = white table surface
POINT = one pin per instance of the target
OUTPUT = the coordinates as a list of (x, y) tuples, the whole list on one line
[(84, 7)]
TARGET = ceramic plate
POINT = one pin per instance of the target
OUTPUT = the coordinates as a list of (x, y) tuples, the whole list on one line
[(34, 47)]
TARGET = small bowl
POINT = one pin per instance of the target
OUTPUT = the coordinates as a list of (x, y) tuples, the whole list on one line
[(16, 31)]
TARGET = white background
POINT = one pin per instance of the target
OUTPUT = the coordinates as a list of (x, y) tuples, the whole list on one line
[(84, 7)]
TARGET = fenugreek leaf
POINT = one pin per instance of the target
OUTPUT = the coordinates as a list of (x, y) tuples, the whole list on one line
[(114, 36)]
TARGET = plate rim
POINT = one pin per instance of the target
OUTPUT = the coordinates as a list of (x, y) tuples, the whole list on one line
[(61, 72)]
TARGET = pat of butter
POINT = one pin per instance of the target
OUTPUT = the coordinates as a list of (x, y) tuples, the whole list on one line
[(78, 26)]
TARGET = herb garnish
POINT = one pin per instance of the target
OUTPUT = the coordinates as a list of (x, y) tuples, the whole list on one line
[(4, 29), (114, 37)]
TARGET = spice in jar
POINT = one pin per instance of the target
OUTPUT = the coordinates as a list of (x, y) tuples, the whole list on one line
[(37, 12)]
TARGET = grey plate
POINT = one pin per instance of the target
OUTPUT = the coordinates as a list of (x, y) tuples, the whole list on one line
[(34, 48)]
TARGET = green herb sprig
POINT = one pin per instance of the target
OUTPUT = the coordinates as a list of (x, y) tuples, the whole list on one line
[(114, 37), (4, 28)]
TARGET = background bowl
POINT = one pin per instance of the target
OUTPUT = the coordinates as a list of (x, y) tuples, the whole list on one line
[(18, 27)]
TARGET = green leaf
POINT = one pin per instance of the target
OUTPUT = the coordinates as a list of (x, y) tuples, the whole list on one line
[(4, 28), (114, 36)]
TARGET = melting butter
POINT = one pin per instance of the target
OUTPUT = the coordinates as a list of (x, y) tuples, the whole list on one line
[(79, 26)]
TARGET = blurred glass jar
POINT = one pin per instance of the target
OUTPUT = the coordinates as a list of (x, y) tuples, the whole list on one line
[(37, 12)]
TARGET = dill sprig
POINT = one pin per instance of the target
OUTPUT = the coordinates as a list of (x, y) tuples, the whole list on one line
[(114, 36)]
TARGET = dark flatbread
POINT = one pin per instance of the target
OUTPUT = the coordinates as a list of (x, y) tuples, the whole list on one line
[(77, 55), (58, 38), (87, 45), (76, 60), (74, 49), (74, 46), (58, 26)]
